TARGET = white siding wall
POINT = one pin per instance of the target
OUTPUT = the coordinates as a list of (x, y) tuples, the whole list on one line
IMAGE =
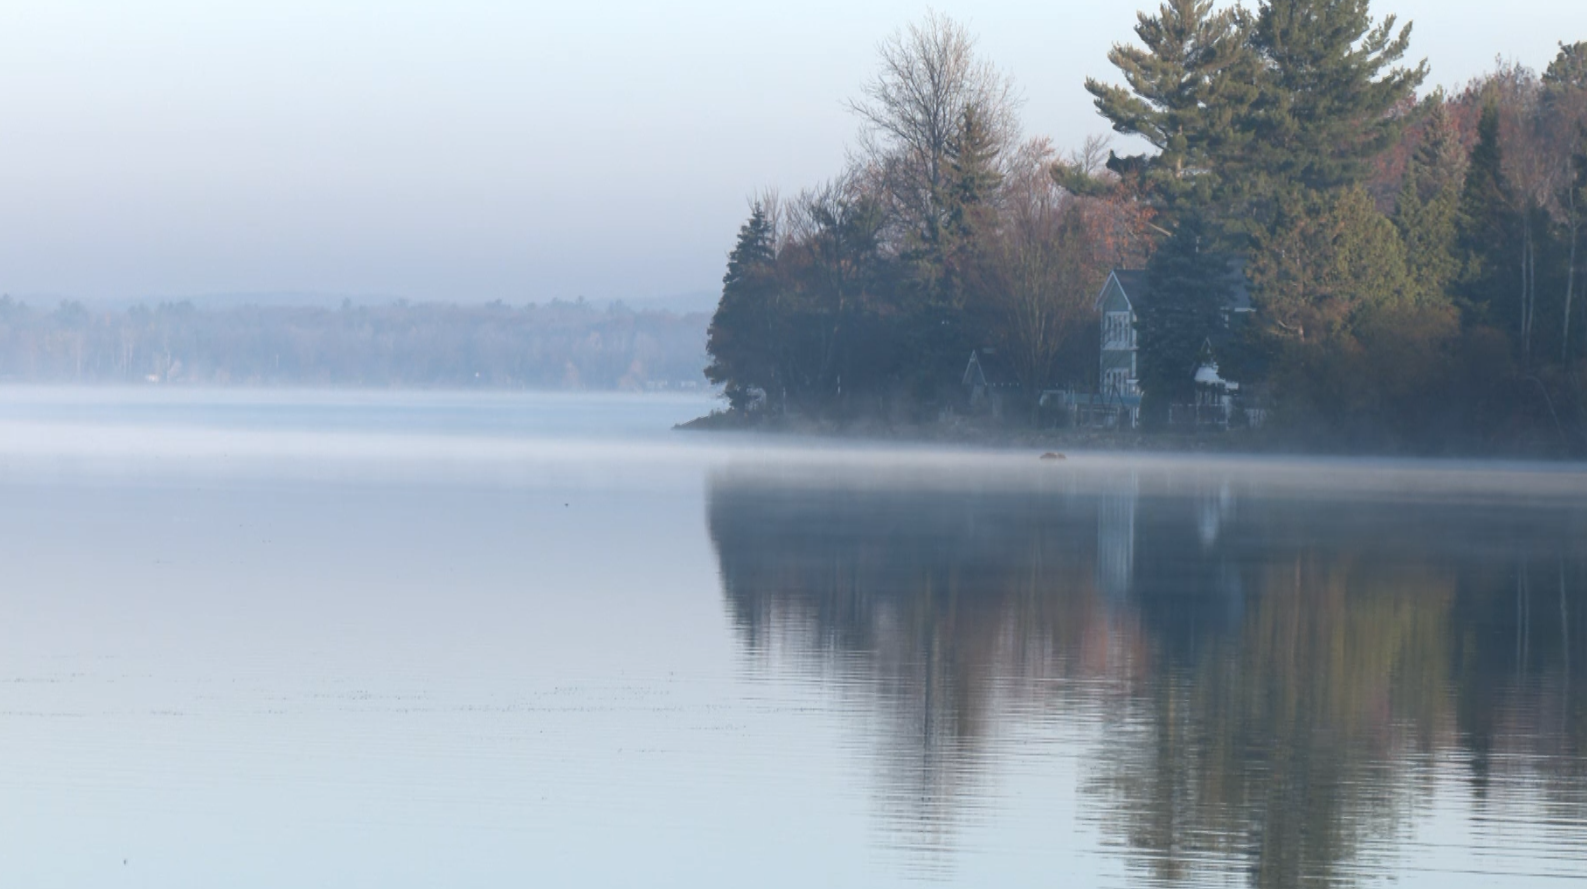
[(1118, 339), (1117, 331)]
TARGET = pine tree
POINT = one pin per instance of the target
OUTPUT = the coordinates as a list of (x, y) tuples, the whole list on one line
[(1486, 223), (1188, 90), (973, 179), (840, 273), (743, 332), (1340, 325), (1332, 101), (1330, 92), (1427, 211), (1325, 260), (1189, 281), (1569, 68)]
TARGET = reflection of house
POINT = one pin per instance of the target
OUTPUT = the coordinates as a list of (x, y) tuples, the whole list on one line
[(988, 382), (1116, 538)]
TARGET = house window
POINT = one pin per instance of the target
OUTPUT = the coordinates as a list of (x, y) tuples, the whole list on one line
[(1117, 331), (1116, 382)]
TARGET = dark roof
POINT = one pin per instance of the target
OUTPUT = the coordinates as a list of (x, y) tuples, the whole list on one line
[(1136, 288), (992, 370)]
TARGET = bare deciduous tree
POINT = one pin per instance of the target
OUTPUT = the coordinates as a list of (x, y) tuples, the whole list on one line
[(1563, 132), (1091, 158), (1542, 126), (1532, 175), (930, 82), (1039, 285)]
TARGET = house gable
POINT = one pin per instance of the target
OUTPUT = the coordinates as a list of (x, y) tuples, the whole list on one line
[(987, 370), (1113, 298), (1116, 307), (974, 376)]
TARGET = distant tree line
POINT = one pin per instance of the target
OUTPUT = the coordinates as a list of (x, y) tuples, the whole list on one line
[(1415, 263), (557, 345)]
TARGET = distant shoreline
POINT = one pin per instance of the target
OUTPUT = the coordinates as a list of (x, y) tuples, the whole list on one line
[(557, 345)]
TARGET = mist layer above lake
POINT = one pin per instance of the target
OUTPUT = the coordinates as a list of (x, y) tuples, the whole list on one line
[(408, 640)]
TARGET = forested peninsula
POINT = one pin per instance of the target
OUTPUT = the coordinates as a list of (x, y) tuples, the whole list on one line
[(1315, 243)]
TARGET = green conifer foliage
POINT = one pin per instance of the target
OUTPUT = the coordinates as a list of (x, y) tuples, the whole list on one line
[(1352, 347), (973, 180), (1189, 281), (1189, 85), (1486, 222), (1330, 91), (1569, 68), (1427, 211), (1327, 259), (839, 273), (744, 331)]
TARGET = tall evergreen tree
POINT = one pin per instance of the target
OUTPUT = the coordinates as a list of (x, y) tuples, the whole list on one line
[(744, 331), (1569, 68), (1341, 327), (1427, 211), (1189, 280), (1325, 260), (839, 280), (1332, 94), (1189, 86), (1486, 223), (973, 179), (1329, 94)]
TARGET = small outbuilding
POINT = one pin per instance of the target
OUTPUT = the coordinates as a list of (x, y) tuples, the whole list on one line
[(988, 382)]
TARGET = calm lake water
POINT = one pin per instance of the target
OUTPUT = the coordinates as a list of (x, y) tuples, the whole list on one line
[(393, 640)]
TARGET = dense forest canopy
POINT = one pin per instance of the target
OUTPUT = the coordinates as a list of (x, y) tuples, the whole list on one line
[(1413, 258), (557, 345)]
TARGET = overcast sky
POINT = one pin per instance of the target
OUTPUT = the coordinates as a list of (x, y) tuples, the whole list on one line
[(475, 149)]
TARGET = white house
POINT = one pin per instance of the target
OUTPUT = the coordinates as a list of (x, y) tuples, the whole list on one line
[(1124, 295)]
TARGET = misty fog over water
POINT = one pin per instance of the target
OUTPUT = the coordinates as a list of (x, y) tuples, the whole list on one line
[(273, 638)]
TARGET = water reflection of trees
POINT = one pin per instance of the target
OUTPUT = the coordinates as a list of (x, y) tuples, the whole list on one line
[(1270, 679), (935, 601)]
